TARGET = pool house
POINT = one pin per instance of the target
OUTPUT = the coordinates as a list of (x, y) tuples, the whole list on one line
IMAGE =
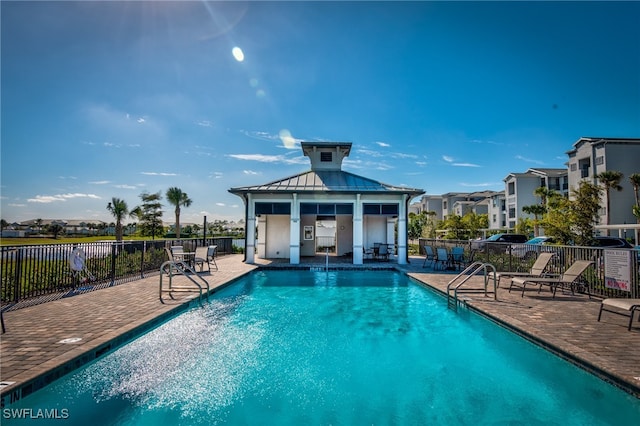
[(294, 217)]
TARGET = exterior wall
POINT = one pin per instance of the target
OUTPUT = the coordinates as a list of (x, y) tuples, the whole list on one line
[(591, 158), (431, 203), (496, 212), (277, 237), (344, 235), (307, 247), (522, 195), (375, 230)]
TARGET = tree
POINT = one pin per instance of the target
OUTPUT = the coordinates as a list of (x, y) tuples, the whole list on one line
[(572, 221), (119, 209), (456, 229), (584, 212), (474, 223), (545, 194), (177, 198), (55, 229), (635, 182), (609, 179), (151, 208), (537, 210), (3, 224)]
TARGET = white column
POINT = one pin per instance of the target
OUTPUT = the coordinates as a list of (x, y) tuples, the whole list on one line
[(357, 232), (294, 233), (251, 230), (402, 232)]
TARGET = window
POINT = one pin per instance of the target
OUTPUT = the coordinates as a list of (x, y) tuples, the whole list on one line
[(378, 209), (326, 209), (599, 160), (326, 157), (573, 167), (273, 208), (512, 212), (512, 188)]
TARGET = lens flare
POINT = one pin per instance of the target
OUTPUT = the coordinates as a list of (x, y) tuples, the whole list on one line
[(238, 54)]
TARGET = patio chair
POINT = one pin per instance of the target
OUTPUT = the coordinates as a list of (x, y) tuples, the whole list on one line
[(457, 257), (622, 306), (442, 257), (430, 256), (383, 252), (537, 269), (212, 252), (201, 258), (569, 278)]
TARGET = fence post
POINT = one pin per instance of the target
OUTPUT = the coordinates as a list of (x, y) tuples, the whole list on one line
[(113, 263), (144, 250), (16, 289)]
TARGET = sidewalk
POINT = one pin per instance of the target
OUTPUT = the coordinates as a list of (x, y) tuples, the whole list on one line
[(32, 353)]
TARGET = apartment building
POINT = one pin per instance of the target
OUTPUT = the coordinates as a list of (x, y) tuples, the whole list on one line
[(520, 187), (591, 156)]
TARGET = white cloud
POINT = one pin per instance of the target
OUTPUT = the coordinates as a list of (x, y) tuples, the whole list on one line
[(67, 177), (421, 163), (16, 205), (124, 186), (100, 182), (383, 144), (465, 165), (269, 158), (220, 204), (59, 197), (529, 160), (158, 174), (447, 158), (204, 123), (250, 172), (370, 152)]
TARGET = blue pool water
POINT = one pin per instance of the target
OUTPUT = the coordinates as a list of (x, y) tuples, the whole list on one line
[(337, 348)]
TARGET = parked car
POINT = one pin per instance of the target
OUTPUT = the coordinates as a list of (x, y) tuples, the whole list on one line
[(531, 248), (496, 243), (611, 242)]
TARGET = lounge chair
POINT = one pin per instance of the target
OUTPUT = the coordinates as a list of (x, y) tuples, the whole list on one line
[(537, 269), (622, 306), (430, 256), (569, 278)]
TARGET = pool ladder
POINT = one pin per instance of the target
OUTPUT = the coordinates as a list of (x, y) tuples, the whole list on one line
[(172, 268), (454, 286)]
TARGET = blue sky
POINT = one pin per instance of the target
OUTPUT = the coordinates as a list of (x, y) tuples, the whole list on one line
[(111, 99)]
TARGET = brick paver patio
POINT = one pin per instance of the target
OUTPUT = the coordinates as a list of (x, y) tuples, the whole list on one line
[(31, 354)]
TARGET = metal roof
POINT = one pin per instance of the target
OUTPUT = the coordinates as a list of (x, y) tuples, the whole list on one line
[(326, 181)]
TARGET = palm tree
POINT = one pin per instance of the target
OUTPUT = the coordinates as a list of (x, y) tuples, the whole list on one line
[(544, 193), (178, 198), (118, 208), (536, 210), (609, 179)]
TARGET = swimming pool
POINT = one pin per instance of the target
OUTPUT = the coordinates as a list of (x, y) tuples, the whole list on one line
[(343, 347)]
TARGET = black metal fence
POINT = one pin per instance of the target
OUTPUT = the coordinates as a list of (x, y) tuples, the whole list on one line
[(37, 273), (520, 257)]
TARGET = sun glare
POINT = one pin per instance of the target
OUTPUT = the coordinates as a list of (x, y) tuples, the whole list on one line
[(238, 54)]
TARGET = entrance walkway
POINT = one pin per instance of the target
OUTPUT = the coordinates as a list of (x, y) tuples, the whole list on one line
[(32, 353)]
